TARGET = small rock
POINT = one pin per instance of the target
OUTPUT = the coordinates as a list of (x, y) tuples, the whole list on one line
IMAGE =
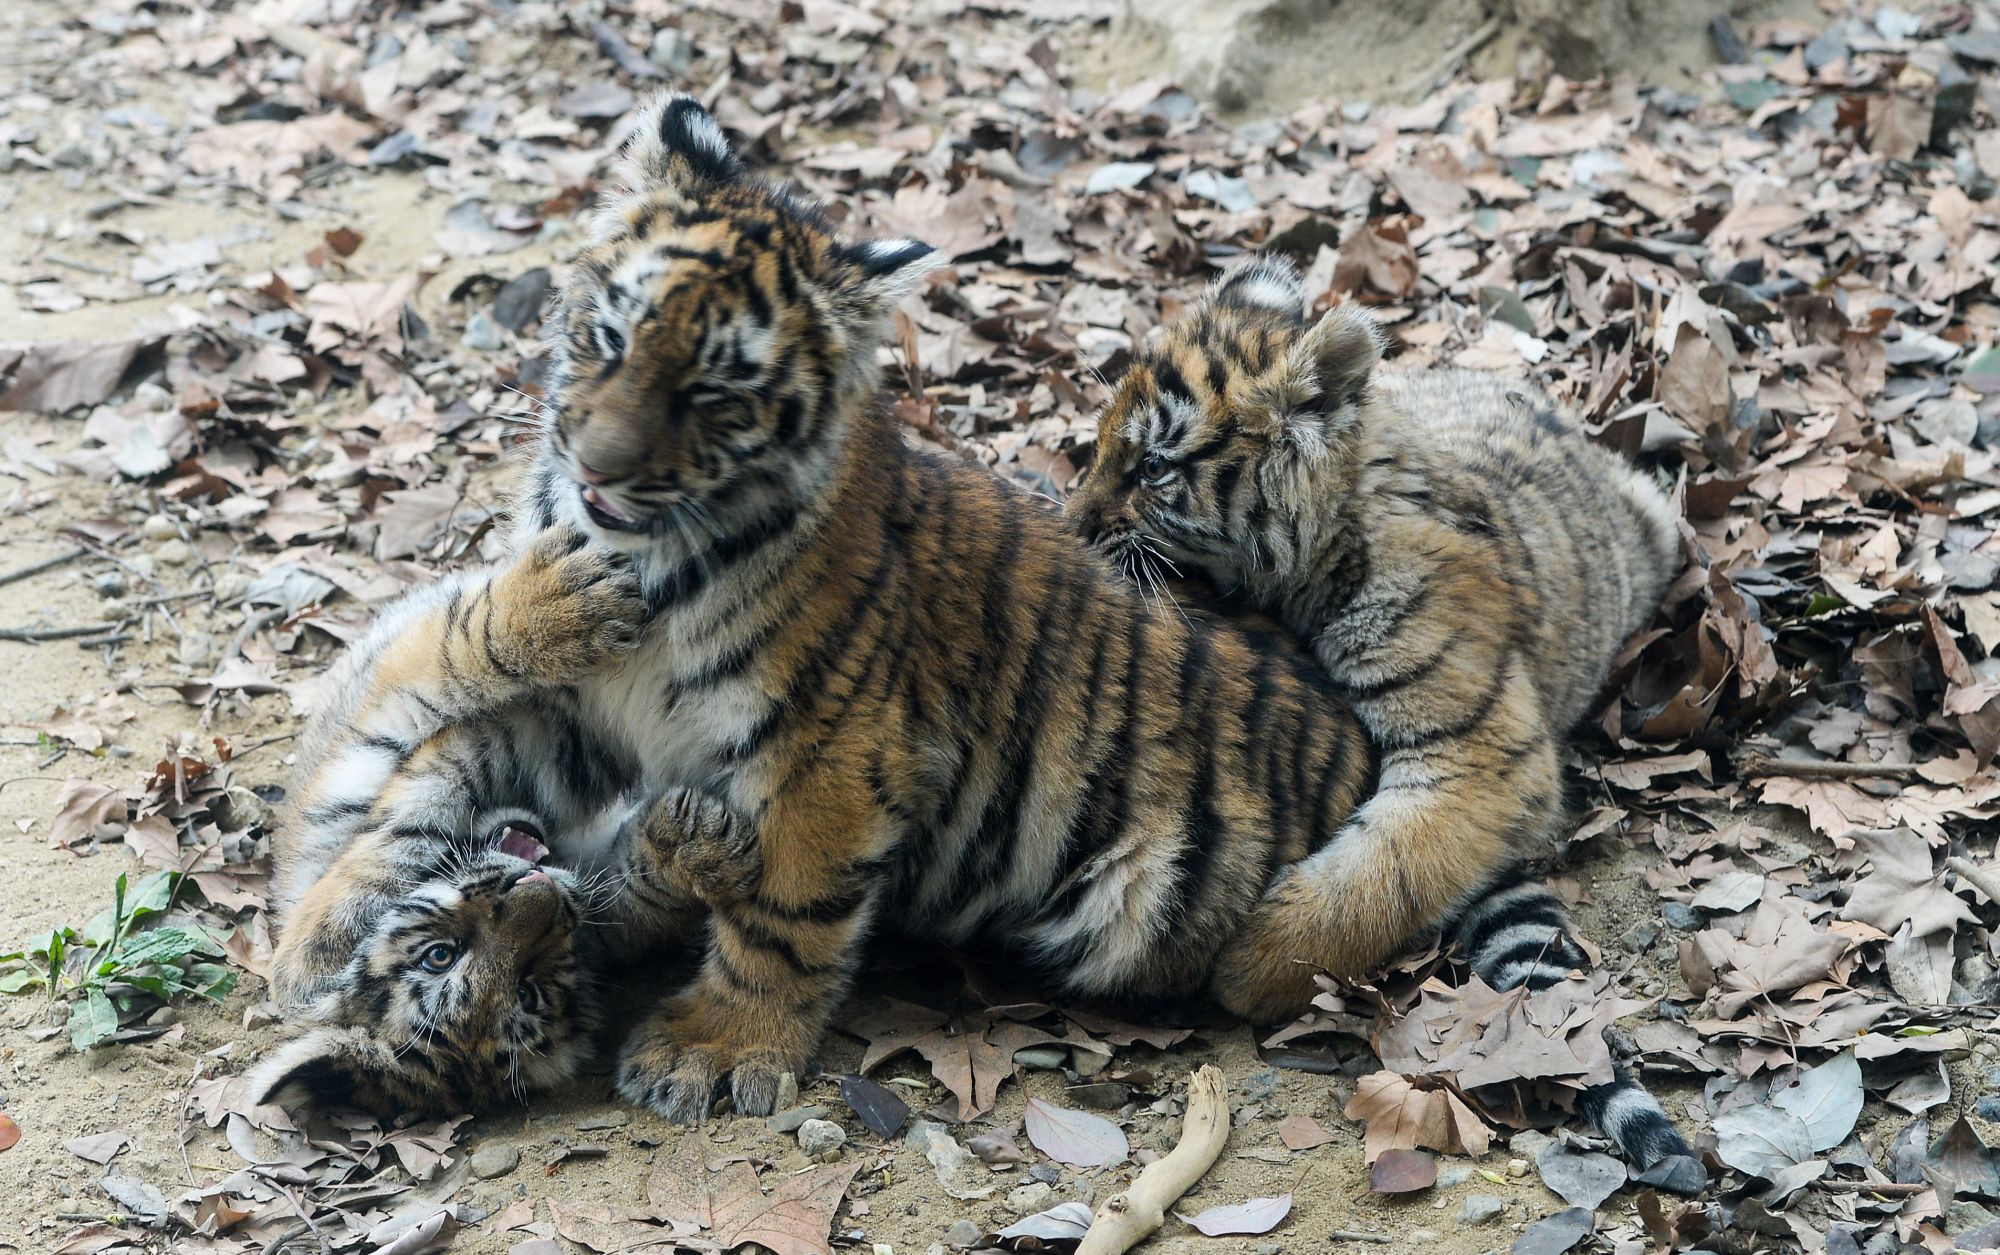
[(1638, 937), (962, 1235), (1529, 1143), (669, 50), (1987, 1108), (1258, 1086), (788, 1091), (1357, 110), (789, 1121), (1517, 1168), (1450, 1178), (71, 157), (1046, 1173), (230, 587), (610, 1120), (519, 303), (482, 333), (1028, 1199), (197, 649), (111, 584), (1268, 1248), (1089, 1062), (1421, 1238), (494, 1161), (1480, 1208), (158, 527), (1047, 1058), (153, 397), (1682, 916), (1824, 50), (174, 552), (821, 1140)]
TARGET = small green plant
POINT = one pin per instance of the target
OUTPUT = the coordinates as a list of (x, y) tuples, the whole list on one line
[(115, 970)]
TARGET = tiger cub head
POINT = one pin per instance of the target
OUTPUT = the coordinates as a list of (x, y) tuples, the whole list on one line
[(1212, 440), (712, 349), (466, 990)]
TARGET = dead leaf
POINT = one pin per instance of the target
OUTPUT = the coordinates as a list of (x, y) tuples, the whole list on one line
[(795, 1218), (1401, 1116), (1077, 1138), (1259, 1215), (1402, 1172)]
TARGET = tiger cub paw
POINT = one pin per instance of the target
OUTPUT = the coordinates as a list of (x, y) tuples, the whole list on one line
[(565, 608), (701, 849), (681, 1081)]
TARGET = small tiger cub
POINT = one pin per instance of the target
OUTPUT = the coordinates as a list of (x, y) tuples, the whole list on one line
[(1464, 562)]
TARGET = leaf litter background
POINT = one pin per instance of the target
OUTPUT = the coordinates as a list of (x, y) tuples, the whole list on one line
[(273, 274)]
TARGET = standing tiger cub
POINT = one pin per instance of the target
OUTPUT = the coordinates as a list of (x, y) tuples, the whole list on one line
[(1464, 562)]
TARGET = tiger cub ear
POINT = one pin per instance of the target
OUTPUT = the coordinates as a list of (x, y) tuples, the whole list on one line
[(677, 144), (1269, 283), (882, 272), (1338, 354), (327, 1067)]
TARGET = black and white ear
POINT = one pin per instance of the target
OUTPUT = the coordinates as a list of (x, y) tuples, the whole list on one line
[(327, 1067), (1341, 352), (675, 144), (1269, 283), (886, 271)]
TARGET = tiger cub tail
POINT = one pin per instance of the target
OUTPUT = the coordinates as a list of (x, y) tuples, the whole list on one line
[(1517, 934)]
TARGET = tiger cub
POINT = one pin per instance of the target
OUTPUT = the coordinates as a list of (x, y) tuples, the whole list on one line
[(920, 704), (440, 960), (1464, 562)]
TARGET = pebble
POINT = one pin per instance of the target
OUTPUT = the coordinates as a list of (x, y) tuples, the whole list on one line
[(789, 1121), (1450, 1178), (1089, 1062), (1047, 1058), (962, 1235), (821, 1140), (482, 333), (1423, 1237), (1046, 1173), (1480, 1208), (669, 50), (1268, 1248), (1988, 1108), (1638, 937), (111, 584), (230, 586), (174, 552), (158, 527), (494, 1161), (1681, 916), (197, 649), (1517, 1168), (1028, 1199), (1258, 1086)]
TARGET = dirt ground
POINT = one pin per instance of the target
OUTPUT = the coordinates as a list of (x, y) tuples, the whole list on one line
[(56, 1094)]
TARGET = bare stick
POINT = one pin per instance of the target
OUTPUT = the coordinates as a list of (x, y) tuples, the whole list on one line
[(57, 633), (1887, 1189), (1132, 1215), (1806, 769), (1978, 876), (36, 568), (1350, 1235)]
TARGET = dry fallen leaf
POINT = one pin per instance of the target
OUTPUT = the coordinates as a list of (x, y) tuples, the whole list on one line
[(1259, 1215), (1077, 1138)]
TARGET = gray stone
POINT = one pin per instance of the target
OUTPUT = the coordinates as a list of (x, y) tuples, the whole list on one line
[(821, 1140), (1824, 50), (111, 584), (1047, 1173), (494, 1161), (962, 1235), (1638, 937), (1682, 916), (1046, 1058), (1258, 1086), (482, 333), (1517, 1168), (789, 1121), (158, 527), (1268, 1248), (1028, 1199), (1987, 1108), (1480, 1208), (1457, 1175), (174, 552), (196, 649)]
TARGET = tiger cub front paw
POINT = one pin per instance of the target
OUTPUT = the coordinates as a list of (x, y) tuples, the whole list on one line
[(565, 608), (701, 849), (667, 1067)]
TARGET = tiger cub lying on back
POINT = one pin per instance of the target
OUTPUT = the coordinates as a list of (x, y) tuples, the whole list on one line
[(1464, 562)]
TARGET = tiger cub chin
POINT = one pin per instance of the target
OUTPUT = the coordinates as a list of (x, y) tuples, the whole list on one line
[(1463, 561)]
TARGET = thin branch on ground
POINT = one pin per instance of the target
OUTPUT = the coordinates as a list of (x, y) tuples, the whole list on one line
[(1133, 1214)]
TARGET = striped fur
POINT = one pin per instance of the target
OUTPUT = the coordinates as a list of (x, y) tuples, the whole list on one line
[(1465, 564), (919, 705)]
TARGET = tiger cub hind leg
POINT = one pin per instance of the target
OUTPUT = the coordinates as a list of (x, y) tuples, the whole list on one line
[(1514, 934)]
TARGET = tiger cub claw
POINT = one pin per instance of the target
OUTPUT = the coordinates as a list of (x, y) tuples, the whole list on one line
[(681, 1083), (703, 848), (566, 607)]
